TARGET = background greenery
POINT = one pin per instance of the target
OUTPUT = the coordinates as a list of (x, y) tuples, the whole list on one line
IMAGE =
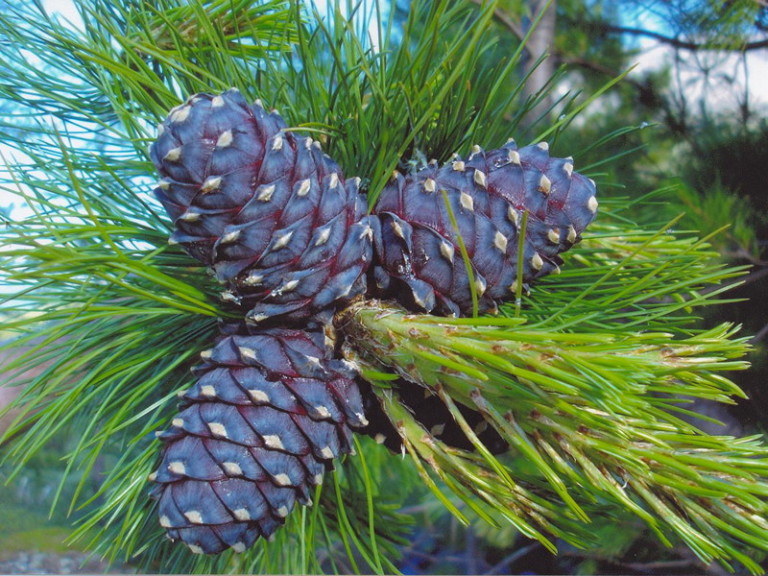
[(110, 318)]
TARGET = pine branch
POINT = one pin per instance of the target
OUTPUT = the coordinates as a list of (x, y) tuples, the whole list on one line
[(676, 42), (595, 414), (584, 384)]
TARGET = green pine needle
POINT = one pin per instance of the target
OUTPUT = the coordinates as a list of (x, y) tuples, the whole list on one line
[(587, 377)]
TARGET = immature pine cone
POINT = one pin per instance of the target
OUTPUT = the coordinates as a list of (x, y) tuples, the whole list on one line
[(419, 260), (268, 414), (265, 208)]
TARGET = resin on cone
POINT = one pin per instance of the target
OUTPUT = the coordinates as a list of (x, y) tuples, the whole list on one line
[(267, 416), (419, 257), (265, 208)]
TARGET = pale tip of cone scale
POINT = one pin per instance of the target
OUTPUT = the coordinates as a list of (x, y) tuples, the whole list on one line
[(304, 187), (308, 142), (545, 185), (225, 139), (177, 467), (290, 286), (258, 103), (163, 184), (418, 300), (229, 296), (355, 182), (458, 166), (475, 150), (152, 476), (160, 130), (553, 236), (217, 101), (238, 547), (333, 180), (282, 240), (282, 479), (397, 229), (317, 479), (247, 353), (165, 522), (277, 142), (266, 193), (481, 179), (259, 396), (180, 114), (256, 318), (536, 262), (242, 514), (430, 185), (253, 279), (232, 468), (194, 516), (466, 201), (361, 418), (230, 237), (327, 453), (323, 236), (190, 216), (178, 422), (571, 234), (218, 429), (543, 146), (513, 216), (206, 354), (500, 242), (510, 141), (211, 183), (274, 442), (282, 511), (592, 204), (322, 412), (513, 287), (480, 286), (195, 549), (447, 250), (173, 155), (208, 390), (568, 167), (514, 157)]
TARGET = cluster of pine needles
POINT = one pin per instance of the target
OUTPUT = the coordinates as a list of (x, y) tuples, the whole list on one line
[(588, 378)]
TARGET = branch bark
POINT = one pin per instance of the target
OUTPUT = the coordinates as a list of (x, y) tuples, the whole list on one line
[(685, 44)]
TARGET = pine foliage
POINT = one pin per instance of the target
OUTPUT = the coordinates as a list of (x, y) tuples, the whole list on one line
[(587, 377)]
